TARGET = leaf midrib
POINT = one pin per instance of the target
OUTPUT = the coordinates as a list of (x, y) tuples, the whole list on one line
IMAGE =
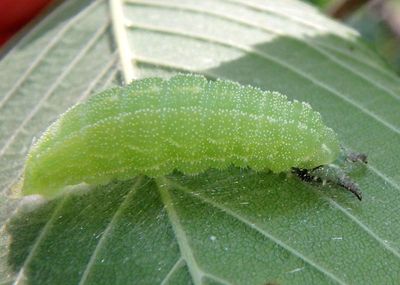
[(254, 226), (195, 270)]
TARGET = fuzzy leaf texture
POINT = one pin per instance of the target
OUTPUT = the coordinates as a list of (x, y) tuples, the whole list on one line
[(235, 226)]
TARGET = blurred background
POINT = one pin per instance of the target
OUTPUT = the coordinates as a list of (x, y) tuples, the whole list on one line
[(378, 21)]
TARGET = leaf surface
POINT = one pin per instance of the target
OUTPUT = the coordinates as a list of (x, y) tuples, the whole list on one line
[(221, 227)]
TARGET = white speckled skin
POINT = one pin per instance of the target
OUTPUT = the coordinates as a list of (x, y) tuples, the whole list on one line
[(154, 126)]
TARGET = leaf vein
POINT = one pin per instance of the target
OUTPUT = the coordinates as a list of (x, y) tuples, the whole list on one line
[(266, 29), (364, 227), (291, 68), (84, 95), (178, 264), (183, 242), (45, 51), (322, 52), (56, 83), (212, 75), (216, 278), (35, 247), (118, 20), (261, 231), (107, 231), (52, 14), (311, 25)]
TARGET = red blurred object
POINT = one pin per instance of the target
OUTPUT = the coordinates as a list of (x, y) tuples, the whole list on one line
[(14, 14)]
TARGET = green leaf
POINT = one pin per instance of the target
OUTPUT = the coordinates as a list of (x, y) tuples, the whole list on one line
[(221, 227)]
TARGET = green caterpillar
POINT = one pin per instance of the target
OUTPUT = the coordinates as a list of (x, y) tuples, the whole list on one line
[(153, 126)]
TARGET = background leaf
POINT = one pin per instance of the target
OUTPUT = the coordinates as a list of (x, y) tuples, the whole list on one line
[(221, 227)]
